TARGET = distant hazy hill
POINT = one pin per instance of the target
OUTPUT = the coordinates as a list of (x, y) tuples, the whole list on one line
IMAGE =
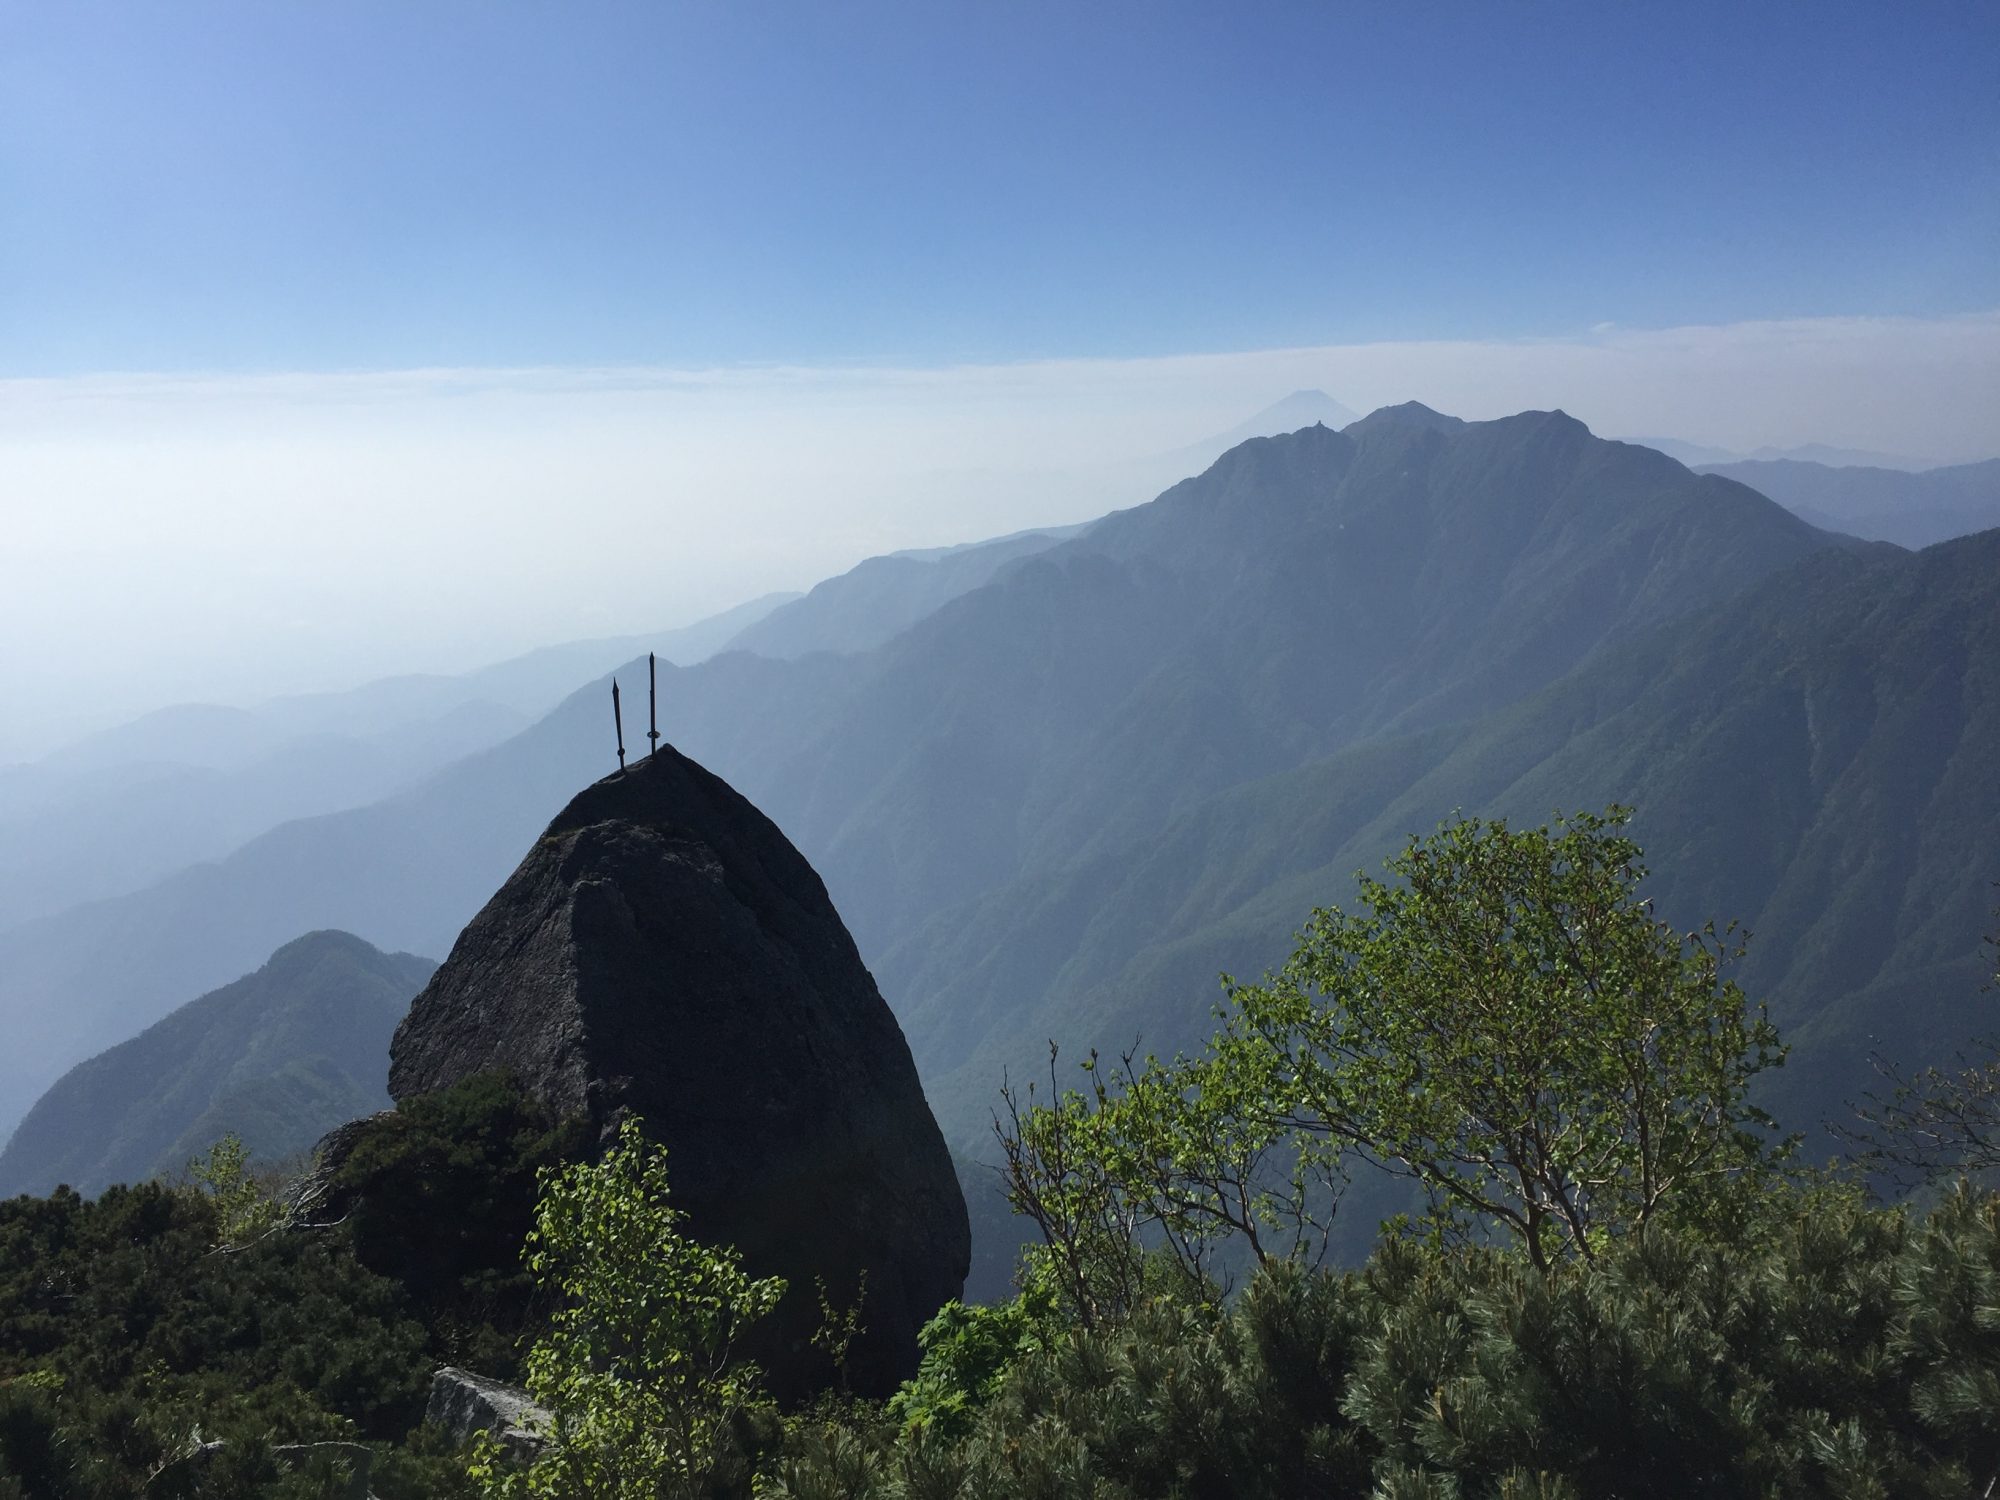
[(1300, 409), (95, 831), (118, 810), (1911, 510), (1307, 593), (521, 688), (883, 596), (1701, 455), (279, 1058)]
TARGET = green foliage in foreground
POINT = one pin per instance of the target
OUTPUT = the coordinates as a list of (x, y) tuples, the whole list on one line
[(1620, 1295), (133, 1331), (440, 1196), (1510, 1025), (967, 1354), (1821, 1348), (141, 1328), (1832, 1350)]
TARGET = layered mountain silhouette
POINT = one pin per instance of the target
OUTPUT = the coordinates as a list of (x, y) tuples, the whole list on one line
[(1884, 504), (118, 810), (277, 1058), (881, 597), (1300, 409), (1061, 801), (1703, 455)]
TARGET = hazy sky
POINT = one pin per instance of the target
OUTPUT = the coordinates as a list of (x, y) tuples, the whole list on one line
[(437, 331)]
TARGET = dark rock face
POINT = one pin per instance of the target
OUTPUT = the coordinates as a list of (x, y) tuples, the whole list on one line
[(664, 950)]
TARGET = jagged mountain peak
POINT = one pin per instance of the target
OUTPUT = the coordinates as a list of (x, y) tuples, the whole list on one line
[(1403, 416)]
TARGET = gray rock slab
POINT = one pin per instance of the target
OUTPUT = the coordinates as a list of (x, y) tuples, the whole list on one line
[(463, 1403)]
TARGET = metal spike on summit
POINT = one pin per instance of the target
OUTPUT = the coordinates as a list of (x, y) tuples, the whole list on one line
[(652, 708), (618, 723)]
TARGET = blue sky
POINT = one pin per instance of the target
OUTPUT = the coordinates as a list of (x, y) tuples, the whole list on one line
[(255, 186), (348, 337)]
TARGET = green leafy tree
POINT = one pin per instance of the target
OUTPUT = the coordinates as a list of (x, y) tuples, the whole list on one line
[(1505, 1021), (967, 1352), (1509, 1024), (638, 1366)]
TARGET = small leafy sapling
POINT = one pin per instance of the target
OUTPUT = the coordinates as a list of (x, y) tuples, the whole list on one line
[(639, 1367), (245, 1208), (839, 1325)]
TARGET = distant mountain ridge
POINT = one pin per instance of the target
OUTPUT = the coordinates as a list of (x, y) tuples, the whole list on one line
[(118, 810), (278, 1058), (1309, 408), (1911, 510), (1703, 455), (881, 597), (1306, 593), (223, 738)]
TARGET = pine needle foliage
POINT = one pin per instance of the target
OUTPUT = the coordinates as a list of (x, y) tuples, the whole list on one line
[(1836, 1349)]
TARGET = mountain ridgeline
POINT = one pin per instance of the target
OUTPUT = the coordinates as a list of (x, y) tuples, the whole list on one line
[(1891, 505), (1063, 799), (118, 810)]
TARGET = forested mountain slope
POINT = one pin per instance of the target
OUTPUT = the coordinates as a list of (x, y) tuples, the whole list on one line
[(1306, 592), (277, 1058), (1816, 759)]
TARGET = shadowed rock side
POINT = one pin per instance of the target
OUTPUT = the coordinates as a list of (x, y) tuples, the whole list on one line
[(664, 949)]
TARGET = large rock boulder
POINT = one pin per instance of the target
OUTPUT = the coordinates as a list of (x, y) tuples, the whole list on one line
[(664, 950)]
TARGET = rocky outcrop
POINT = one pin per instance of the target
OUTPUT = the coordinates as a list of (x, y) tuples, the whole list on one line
[(463, 1404), (311, 1195), (664, 950)]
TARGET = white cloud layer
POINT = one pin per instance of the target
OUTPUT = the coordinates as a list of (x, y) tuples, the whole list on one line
[(223, 537)]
